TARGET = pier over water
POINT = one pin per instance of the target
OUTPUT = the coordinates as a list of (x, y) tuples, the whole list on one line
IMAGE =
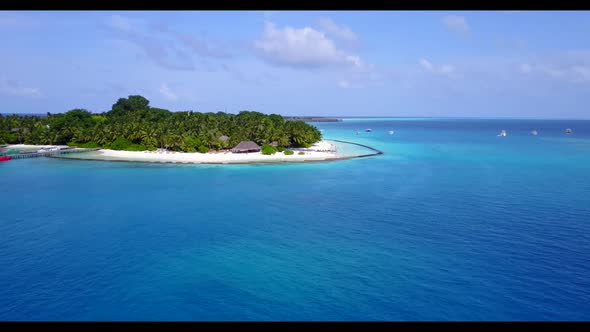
[(36, 154)]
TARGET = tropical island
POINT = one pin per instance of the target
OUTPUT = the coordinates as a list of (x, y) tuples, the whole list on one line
[(134, 130), (312, 119)]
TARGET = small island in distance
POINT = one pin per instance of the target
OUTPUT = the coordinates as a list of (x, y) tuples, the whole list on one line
[(135, 131), (312, 119)]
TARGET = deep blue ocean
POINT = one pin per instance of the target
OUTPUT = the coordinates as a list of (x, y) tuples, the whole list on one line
[(451, 223)]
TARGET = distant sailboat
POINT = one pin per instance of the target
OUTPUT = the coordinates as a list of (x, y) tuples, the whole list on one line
[(391, 132), (568, 131), (369, 130), (534, 132), (502, 134)]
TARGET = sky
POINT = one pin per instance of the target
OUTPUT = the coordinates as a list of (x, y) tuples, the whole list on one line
[(520, 64)]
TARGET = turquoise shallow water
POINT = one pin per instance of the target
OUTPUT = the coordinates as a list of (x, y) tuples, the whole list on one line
[(451, 223)]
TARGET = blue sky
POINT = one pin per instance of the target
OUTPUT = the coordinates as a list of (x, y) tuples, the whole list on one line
[(373, 63)]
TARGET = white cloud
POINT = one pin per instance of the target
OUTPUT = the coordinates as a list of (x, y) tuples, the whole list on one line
[(167, 93), (344, 84), (305, 47), (443, 69), (426, 64), (164, 53), (13, 88), (574, 73), (342, 33), (581, 73), (456, 24), (553, 72), (446, 69), (168, 48), (566, 67), (201, 46), (355, 60)]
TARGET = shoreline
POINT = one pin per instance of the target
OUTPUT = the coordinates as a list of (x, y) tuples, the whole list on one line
[(222, 158)]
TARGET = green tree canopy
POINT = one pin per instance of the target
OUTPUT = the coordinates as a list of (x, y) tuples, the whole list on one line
[(133, 124)]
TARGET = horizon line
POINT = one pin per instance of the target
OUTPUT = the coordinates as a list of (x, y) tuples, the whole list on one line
[(359, 116)]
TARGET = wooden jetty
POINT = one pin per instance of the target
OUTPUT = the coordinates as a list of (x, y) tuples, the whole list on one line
[(24, 155)]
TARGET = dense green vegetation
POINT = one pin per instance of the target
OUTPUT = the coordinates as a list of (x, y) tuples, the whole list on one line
[(268, 149), (124, 144), (301, 152), (88, 145), (132, 124), (288, 152)]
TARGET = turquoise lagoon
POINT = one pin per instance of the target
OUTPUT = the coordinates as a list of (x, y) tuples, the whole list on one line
[(450, 223)]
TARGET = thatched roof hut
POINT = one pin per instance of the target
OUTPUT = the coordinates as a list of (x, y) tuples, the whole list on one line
[(246, 146)]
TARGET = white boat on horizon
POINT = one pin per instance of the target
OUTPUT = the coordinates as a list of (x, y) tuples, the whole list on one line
[(534, 132), (502, 133), (568, 131), (391, 132)]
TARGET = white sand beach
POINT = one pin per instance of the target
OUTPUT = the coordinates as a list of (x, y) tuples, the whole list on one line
[(221, 157)]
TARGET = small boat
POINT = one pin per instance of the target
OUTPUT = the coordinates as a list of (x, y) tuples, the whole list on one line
[(391, 132), (369, 130), (534, 132), (5, 158), (502, 133), (568, 131)]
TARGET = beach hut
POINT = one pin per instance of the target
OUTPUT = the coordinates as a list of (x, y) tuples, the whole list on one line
[(246, 146)]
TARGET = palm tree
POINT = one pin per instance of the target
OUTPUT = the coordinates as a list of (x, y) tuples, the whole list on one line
[(148, 136)]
